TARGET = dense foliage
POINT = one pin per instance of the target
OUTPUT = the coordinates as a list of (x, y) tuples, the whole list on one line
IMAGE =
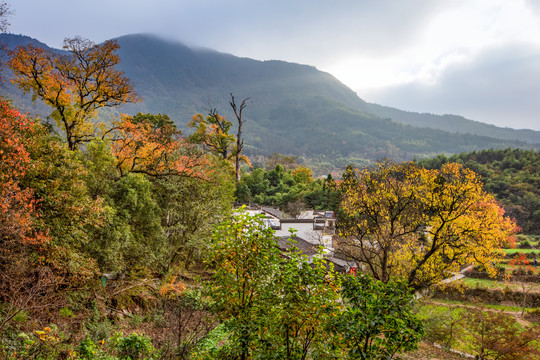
[(296, 109), (72, 216), (400, 220), (511, 174), (285, 306), (291, 190)]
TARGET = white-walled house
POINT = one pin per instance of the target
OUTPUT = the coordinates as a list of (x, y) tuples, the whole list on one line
[(314, 231), (314, 227)]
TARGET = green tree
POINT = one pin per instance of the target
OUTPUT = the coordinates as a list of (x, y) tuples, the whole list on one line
[(308, 299), (58, 177), (132, 236), (245, 258), (191, 208), (275, 305), (377, 321)]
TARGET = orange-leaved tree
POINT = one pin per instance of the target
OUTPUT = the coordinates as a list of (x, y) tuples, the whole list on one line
[(21, 286), (152, 145), (17, 204), (75, 84), (421, 225)]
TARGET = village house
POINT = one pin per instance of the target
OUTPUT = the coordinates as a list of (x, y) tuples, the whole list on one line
[(311, 231)]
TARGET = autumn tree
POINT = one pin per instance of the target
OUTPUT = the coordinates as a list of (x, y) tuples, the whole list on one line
[(212, 133), (38, 266), (152, 145), (19, 217), (303, 175), (75, 84), (18, 214), (420, 225)]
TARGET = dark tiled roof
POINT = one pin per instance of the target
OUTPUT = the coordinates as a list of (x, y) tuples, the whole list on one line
[(272, 211), (297, 221), (307, 248)]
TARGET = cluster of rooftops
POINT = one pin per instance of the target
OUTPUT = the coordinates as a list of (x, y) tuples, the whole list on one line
[(313, 231)]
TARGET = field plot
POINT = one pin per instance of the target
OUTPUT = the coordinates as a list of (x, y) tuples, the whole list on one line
[(508, 305)]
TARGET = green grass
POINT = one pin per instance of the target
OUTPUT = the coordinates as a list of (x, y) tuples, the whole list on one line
[(437, 319), (525, 251), (448, 304), (495, 284)]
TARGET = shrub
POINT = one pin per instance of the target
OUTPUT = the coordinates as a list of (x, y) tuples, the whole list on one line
[(442, 327), (87, 349), (519, 271), (525, 245), (496, 335), (134, 346), (100, 330)]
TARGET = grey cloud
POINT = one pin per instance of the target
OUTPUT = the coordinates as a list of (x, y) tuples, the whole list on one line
[(323, 30), (308, 31), (500, 86), (533, 5)]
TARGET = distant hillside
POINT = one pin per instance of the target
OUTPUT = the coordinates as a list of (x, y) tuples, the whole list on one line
[(454, 123), (511, 174), (294, 109)]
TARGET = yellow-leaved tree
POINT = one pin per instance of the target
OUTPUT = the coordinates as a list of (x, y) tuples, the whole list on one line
[(402, 221)]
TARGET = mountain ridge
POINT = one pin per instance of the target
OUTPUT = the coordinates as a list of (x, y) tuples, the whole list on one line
[(294, 109)]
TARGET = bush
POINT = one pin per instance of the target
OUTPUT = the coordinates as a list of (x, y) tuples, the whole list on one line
[(46, 344), (442, 327), (533, 316), (100, 330), (496, 335), (521, 271), (479, 272), (134, 346), (525, 245), (87, 349)]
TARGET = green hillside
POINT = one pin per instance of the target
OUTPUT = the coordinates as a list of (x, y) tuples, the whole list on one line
[(293, 109), (513, 175)]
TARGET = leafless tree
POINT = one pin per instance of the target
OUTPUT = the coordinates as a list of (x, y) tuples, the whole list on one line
[(238, 157)]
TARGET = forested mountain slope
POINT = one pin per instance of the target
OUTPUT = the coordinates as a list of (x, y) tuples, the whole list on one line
[(513, 175), (293, 109)]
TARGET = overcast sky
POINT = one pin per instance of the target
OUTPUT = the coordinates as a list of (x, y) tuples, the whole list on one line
[(476, 58)]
